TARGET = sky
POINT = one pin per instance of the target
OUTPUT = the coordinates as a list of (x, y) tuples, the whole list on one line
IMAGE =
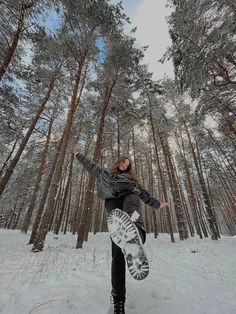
[(152, 30), (150, 18)]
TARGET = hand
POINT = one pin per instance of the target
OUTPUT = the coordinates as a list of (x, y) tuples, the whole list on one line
[(164, 204), (76, 149)]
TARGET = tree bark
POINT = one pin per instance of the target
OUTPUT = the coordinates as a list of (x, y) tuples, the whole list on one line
[(22, 146), (18, 214), (163, 185), (210, 218), (181, 221), (38, 180), (68, 209), (189, 187), (58, 225), (11, 50), (151, 189), (86, 218), (8, 157), (44, 196), (48, 214)]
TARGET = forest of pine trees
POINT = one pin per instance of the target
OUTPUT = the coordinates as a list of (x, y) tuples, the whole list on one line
[(70, 73)]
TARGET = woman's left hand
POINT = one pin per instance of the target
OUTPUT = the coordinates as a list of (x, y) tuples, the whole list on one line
[(76, 150), (164, 204)]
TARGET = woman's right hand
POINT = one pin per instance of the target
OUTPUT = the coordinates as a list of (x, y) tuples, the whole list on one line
[(76, 149), (164, 204)]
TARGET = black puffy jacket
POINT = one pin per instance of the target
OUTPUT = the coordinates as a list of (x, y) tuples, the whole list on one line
[(120, 185)]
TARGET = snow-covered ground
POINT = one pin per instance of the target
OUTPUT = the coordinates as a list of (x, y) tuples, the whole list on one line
[(64, 280)]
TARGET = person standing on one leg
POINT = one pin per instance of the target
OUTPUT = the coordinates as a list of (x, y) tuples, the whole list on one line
[(121, 189)]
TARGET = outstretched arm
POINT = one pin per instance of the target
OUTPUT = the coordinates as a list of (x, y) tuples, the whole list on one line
[(89, 165), (149, 200)]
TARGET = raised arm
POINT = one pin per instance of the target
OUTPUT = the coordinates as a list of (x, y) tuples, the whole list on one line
[(89, 165)]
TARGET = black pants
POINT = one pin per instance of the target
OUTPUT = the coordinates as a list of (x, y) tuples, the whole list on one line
[(128, 203)]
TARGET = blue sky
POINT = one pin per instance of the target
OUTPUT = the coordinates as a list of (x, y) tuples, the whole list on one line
[(150, 18), (51, 20), (130, 6)]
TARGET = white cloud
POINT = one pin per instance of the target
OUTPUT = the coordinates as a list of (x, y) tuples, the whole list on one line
[(150, 18), (152, 30)]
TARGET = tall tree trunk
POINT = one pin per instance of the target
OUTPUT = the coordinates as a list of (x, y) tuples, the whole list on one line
[(228, 192), (58, 201), (68, 209), (20, 28), (98, 217), (145, 210), (47, 217), (201, 218), (181, 221), (8, 157), (151, 189), (210, 213), (134, 153), (58, 225), (163, 185), (12, 215), (186, 212), (189, 186), (209, 209), (44, 196), (18, 214), (22, 146), (38, 181), (79, 198), (118, 137), (88, 204), (77, 209)]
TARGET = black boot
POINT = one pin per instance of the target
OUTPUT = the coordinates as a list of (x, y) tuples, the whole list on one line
[(119, 307)]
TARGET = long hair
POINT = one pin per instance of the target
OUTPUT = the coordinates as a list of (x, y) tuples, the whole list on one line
[(129, 170)]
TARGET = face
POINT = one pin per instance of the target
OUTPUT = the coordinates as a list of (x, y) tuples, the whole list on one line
[(123, 165)]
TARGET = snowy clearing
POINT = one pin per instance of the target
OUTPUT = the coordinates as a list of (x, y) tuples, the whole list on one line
[(194, 276)]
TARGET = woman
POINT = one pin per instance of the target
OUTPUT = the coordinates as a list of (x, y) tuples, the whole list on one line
[(120, 189)]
